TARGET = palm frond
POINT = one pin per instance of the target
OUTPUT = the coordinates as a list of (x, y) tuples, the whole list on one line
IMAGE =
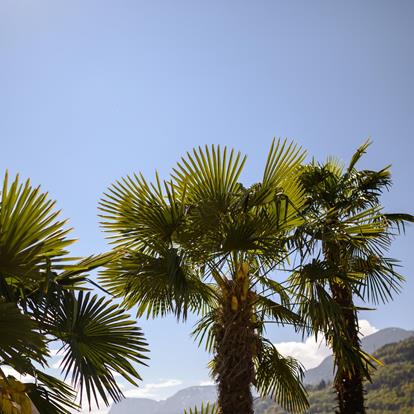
[(349, 359), (21, 336), (74, 273), (280, 378), (50, 395), (379, 278), (281, 177), (276, 312), (311, 288), (99, 340), (203, 331), (32, 238), (398, 220), (139, 214), (283, 159), (358, 154), (209, 174), (204, 409), (158, 285)]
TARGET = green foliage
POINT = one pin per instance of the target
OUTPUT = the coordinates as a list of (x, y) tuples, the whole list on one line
[(277, 378), (51, 395), (22, 336), (391, 392), (42, 304), (202, 242), (100, 339), (185, 239), (344, 244), (205, 409)]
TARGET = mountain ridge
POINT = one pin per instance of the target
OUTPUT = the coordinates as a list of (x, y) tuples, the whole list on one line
[(186, 398), (324, 371), (390, 392), (194, 395)]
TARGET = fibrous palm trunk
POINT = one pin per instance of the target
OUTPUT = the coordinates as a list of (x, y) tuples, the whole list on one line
[(348, 383), (235, 349), (349, 379)]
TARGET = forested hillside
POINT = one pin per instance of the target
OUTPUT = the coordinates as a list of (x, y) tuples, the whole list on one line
[(392, 390), (370, 344)]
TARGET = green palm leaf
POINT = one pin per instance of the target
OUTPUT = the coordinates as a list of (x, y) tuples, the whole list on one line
[(281, 173), (99, 340), (204, 409), (20, 336), (358, 154), (38, 306), (280, 378), (347, 236), (209, 174), (139, 214), (157, 284), (203, 242), (51, 395), (31, 236)]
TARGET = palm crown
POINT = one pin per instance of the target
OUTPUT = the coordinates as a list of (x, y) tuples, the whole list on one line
[(202, 241), (344, 240)]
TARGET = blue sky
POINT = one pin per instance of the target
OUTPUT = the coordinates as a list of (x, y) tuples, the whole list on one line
[(93, 90)]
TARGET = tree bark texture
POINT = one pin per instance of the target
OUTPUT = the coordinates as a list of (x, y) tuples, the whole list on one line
[(235, 347), (348, 383)]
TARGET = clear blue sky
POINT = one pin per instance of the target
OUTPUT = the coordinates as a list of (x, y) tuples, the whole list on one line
[(92, 90)]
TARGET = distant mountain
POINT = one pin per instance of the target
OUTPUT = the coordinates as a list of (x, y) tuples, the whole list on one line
[(324, 371), (135, 405), (189, 397), (391, 392), (184, 399)]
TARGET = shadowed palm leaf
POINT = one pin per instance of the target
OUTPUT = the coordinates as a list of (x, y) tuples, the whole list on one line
[(22, 338)]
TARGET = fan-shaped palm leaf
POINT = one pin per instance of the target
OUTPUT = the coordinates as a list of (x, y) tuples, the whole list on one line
[(32, 239), (99, 340)]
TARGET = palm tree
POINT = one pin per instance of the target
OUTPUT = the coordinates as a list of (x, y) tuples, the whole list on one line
[(203, 242), (346, 235), (44, 303)]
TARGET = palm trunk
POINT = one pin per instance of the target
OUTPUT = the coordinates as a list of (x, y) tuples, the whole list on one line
[(235, 349), (348, 383)]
